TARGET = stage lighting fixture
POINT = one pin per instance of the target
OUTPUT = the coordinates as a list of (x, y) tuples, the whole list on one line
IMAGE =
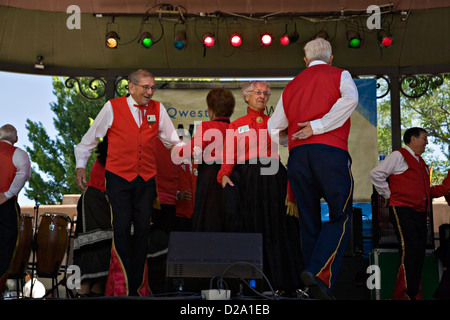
[(322, 34), (39, 63), (384, 38), (266, 39), (146, 40), (208, 39), (354, 39), (180, 40), (288, 38), (112, 40), (235, 40)]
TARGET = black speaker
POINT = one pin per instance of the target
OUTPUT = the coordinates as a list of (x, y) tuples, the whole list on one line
[(355, 239), (444, 232), (195, 260), (351, 279)]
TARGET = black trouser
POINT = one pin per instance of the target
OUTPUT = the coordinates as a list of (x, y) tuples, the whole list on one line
[(317, 171), (9, 229), (132, 204), (411, 230)]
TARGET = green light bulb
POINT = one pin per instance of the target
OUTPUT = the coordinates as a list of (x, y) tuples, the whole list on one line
[(355, 43), (147, 42)]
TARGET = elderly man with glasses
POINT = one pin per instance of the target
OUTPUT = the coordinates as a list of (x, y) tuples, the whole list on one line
[(132, 124), (403, 180)]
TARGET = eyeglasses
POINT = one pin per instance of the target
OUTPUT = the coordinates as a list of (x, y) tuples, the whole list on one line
[(258, 92), (146, 88)]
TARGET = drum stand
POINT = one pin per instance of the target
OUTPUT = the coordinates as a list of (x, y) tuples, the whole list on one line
[(33, 245), (62, 268)]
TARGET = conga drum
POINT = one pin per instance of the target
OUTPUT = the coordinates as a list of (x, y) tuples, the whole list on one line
[(23, 250), (51, 243)]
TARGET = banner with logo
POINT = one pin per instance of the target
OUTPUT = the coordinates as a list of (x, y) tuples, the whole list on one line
[(186, 106)]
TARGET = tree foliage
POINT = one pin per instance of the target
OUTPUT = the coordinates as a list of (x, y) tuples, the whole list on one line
[(429, 110), (53, 159)]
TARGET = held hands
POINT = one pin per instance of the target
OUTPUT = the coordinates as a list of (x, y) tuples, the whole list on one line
[(305, 131), (386, 203), (185, 195), (81, 178)]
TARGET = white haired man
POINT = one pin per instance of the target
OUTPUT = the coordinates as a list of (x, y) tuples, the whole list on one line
[(316, 107), (132, 124), (15, 171)]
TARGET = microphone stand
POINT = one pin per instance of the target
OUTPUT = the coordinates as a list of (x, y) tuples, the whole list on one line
[(34, 245)]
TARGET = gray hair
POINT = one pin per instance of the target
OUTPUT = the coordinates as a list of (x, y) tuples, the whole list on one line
[(249, 86), (9, 133), (137, 75), (318, 49)]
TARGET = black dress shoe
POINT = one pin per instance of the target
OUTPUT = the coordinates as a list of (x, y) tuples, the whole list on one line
[(317, 289)]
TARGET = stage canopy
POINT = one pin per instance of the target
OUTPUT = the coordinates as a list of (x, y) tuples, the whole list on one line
[(67, 37)]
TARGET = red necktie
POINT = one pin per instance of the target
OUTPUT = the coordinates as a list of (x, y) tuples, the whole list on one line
[(141, 113)]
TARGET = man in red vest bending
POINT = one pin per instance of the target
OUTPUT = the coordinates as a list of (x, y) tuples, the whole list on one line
[(403, 180), (132, 124), (316, 107), (15, 171)]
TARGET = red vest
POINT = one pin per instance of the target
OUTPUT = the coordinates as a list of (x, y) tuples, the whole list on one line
[(309, 96), (7, 168), (412, 187), (130, 148)]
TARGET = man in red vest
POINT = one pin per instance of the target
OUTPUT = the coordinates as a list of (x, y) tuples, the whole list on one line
[(15, 171), (315, 107), (403, 180), (132, 124)]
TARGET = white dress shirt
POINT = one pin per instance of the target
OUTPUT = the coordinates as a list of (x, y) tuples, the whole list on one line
[(335, 118), (103, 122), (21, 161), (394, 163)]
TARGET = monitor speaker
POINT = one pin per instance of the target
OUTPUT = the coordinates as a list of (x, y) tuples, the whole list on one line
[(193, 257)]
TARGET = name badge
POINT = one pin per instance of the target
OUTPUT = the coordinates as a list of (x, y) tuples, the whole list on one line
[(151, 118), (243, 129)]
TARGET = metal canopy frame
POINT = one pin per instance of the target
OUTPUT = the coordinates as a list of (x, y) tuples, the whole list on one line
[(394, 88)]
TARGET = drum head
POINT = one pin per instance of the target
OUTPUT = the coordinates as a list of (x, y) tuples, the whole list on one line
[(54, 215)]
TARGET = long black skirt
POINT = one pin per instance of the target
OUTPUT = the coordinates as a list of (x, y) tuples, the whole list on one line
[(93, 235), (208, 213), (257, 203)]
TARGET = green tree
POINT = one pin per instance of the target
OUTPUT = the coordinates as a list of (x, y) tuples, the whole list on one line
[(53, 159), (429, 110)]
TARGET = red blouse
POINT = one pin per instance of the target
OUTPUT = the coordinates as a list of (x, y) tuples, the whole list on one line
[(209, 138), (247, 138), (97, 176), (442, 189)]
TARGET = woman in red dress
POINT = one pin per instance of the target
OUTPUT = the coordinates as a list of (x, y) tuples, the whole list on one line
[(205, 148), (255, 184)]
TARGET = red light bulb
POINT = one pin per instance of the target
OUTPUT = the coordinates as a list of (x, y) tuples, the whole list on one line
[(236, 40), (284, 40), (266, 39), (209, 41), (386, 42)]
